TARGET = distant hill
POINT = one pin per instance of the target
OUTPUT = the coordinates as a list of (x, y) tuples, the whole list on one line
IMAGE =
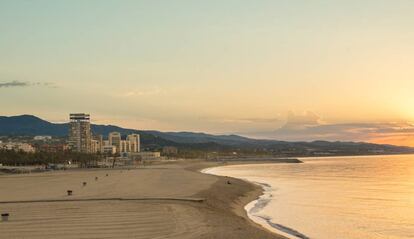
[(29, 125)]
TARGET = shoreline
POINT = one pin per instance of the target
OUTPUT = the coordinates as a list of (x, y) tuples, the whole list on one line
[(236, 205), (276, 210), (266, 222), (256, 204)]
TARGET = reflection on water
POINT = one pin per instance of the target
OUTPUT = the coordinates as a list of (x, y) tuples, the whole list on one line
[(344, 197)]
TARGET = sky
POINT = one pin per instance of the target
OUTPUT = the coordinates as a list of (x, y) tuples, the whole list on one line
[(287, 70)]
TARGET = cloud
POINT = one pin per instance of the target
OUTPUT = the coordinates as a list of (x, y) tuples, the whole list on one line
[(45, 84), (16, 83), (137, 93), (247, 120), (300, 121), (347, 132), (13, 84), (310, 127)]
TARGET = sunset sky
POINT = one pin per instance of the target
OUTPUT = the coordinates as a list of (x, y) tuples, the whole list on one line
[(288, 70)]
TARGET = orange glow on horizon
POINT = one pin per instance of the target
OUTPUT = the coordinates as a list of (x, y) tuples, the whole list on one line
[(400, 140)]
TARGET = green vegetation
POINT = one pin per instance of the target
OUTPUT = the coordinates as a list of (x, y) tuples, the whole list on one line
[(19, 158)]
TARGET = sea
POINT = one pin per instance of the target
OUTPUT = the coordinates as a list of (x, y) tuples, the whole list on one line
[(358, 197)]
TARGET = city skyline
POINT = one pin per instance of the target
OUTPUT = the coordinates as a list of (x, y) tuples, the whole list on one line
[(82, 139), (299, 71)]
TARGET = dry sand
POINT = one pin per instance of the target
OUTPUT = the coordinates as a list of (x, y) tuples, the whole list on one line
[(219, 215)]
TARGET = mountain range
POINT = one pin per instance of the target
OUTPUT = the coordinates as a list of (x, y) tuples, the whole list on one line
[(29, 125)]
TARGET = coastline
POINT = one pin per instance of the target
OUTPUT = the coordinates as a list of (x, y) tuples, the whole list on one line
[(234, 198), (287, 185), (259, 203)]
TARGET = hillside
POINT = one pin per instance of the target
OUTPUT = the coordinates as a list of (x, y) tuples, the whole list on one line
[(29, 125)]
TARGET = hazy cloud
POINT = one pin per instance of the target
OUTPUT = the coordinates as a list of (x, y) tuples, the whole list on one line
[(138, 93), (263, 120), (300, 121), (248, 120), (13, 84), (342, 132), (45, 84), (309, 127), (16, 83)]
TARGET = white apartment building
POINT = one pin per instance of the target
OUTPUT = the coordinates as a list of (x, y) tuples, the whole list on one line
[(130, 145), (18, 147), (114, 139), (134, 143), (42, 137)]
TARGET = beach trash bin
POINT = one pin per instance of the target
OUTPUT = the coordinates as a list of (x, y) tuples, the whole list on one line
[(4, 217), (69, 192), (96, 178)]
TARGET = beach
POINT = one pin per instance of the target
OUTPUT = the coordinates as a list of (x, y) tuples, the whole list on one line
[(160, 201)]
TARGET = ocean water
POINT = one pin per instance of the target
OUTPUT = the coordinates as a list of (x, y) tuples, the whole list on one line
[(357, 197)]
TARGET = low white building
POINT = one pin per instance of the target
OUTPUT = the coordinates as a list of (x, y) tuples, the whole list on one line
[(18, 147), (42, 137), (145, 155), (109, 149)]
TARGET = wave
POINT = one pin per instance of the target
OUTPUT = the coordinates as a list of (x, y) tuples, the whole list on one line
[(253, 208), (260, 204)]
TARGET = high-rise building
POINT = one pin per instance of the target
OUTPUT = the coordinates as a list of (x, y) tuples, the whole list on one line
[(115, 140), (80, 133), (134, 143), (97, 144), (124, 146), (95, 147)]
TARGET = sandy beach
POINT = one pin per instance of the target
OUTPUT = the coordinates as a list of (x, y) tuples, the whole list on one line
[(163, 201)]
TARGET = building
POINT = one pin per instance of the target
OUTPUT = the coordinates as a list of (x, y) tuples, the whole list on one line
[(24, 147), (124, 146), (145, 156), (169, 150), (105, 143), (134, 143), (115, 140), (80, 133), (109, 149), (131, 144), (42, 137), (52, 148), (97, 144), (95, 147)]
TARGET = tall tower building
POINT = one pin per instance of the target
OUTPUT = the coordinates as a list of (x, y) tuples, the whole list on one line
[(115, 140), (134, 143), (80, 132)]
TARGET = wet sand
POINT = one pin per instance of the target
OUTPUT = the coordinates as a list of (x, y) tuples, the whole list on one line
[(164, 201)]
